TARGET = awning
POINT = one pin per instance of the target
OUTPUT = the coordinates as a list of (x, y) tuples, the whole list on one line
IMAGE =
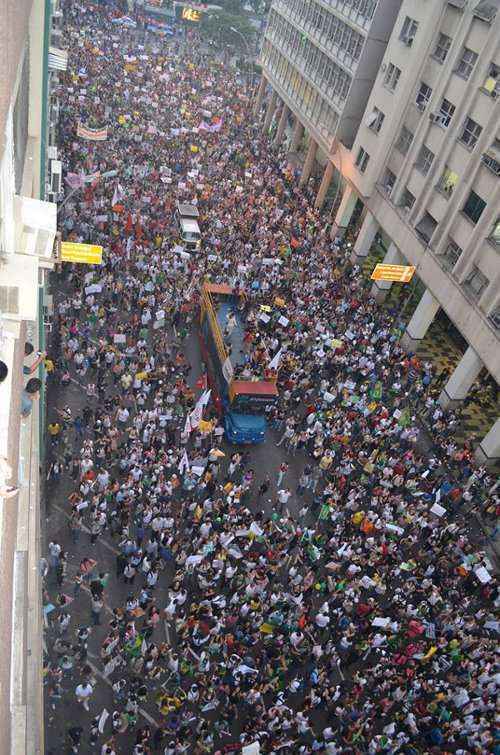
[(58, 59)]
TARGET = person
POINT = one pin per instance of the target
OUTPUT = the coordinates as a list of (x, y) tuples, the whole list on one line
[(83, 693), (29, 394)]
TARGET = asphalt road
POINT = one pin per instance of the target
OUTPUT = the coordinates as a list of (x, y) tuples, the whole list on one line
[(264, 460)]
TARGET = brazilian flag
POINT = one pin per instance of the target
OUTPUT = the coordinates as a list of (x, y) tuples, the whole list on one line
[(376, 391)]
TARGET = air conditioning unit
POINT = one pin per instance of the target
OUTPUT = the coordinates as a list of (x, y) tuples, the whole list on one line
[(436, 117), (408, 40), (55, 176), (420, 105)]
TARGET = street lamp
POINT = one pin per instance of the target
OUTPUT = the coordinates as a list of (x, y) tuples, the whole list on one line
[(239, 33)]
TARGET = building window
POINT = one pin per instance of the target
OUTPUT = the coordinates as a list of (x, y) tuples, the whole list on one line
[(443, 45), (466, 63), (471, 132), (450, 256), (407, 200), (392, 77), (495, 233), (447, 182), (476, 282), (388, 181), (474, 207), (375, 120), (423, 96), (404, 141), (426, 227), (424, 160), (408, 31), (362, 160), (492, 83), (446, 111)]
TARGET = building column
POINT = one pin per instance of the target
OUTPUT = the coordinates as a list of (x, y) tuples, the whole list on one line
[(281, 126), (259, 97), (380, 289), (419, 324), (488, 451), (298, 133), (271, 109), (324, 186), (364, 241), (344, 213), (461, 380), (308, 162)]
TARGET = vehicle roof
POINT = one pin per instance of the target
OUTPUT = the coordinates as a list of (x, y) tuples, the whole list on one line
[(257, 388), (218, 288), (190, 225), (188, 210)]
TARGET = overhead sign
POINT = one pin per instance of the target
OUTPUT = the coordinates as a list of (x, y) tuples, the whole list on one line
[(87, 254), (190, 14), (394, 273)]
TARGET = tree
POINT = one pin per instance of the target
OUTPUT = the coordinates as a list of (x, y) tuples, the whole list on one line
[(218, 27)]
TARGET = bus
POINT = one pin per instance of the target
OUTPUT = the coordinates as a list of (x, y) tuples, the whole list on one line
[(241, 403)]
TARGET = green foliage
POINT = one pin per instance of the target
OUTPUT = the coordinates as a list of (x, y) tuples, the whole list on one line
[(217, 26)]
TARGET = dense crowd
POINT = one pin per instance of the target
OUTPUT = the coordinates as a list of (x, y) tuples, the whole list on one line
[(354, 613)]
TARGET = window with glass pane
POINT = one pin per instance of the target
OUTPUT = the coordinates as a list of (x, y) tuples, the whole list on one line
[(362, 160), (476, 282), (474, 207), (375, 120), (443, 45), (495, 232), (450, 256), (407, 200), (388, 181), (470, 133), (448, 181), (466, 63), (423, 96), (492, 82), (408, 30), (446, 111), (392, 77), (403, 144), (424, 160)]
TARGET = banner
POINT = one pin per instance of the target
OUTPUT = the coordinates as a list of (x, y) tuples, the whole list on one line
[(88, 254), (93, 134), (396, 273)]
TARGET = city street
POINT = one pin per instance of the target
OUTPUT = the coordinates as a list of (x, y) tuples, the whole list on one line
[(321, 592)]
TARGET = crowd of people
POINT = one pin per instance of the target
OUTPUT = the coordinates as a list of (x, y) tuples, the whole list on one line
[(353, 612)]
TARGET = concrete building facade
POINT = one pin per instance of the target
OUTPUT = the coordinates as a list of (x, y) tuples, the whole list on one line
[(27, 251), (423, 157)]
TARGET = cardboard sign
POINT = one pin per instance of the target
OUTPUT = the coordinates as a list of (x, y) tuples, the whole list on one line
[(86, 254), (119, 338)]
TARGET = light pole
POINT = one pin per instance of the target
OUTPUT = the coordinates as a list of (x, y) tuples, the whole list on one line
[(239, 33)]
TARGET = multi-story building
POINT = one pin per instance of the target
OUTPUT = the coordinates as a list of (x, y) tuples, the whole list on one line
[(27, 242), (423, 158)]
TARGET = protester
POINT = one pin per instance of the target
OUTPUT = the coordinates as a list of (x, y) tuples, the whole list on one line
[(355, 614)]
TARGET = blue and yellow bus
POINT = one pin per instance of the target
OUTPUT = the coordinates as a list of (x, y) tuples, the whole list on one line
[(241, 403)]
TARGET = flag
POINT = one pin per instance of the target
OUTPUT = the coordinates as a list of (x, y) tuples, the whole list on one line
[(275, 361), (102, 720), (75, 180), (184, 463), (197, 412), (201, 383), (117, 194), (188, 427)]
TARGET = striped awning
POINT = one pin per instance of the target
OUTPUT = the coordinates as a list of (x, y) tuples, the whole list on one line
[(58, 59)]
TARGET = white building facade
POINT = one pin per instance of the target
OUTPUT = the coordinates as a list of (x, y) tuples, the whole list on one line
[(423, 159)]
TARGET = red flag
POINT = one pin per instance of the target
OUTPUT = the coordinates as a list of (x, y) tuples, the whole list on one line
[(128, 224), (202, 383)]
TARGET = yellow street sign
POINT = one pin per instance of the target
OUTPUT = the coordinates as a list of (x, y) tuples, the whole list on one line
[(395, 273), (87, 254)]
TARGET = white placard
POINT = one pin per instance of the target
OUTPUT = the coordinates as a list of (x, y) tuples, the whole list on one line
[(438, 510), (95, 288), (265, 318), (483, 575), (212, 258), (380, 622), (119, 338), (283, 321)]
